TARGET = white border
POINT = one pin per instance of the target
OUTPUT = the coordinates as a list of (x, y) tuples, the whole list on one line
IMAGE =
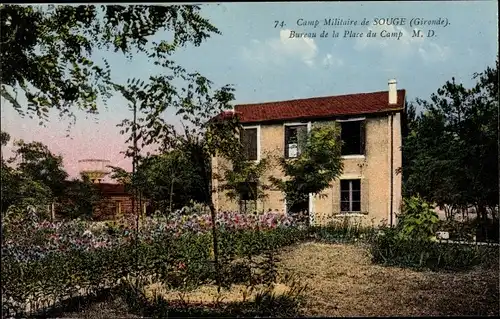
[(350, 177), (354, 156), (389, 168), (258, 140), (354, 119)]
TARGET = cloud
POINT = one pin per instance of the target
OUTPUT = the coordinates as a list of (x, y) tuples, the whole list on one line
[(434, 53), (404, 47), (331, 61), (282, 49)]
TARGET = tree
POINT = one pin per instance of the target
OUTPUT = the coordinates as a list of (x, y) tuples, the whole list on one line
[(242, 181), (79, 199), (45, 43), (36, 161), (451, 151), (312, 171), (47, 51), (169, 180), (20, 188)]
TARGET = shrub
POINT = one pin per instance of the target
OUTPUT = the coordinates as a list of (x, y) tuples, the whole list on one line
[(418, 220), (390, 248)]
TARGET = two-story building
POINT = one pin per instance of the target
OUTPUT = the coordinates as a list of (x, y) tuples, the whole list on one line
[(371, 130)]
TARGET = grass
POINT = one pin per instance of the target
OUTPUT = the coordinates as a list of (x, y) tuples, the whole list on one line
[(341, 281)]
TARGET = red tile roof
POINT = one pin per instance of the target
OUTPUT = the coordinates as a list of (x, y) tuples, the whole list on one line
[(318, 107)]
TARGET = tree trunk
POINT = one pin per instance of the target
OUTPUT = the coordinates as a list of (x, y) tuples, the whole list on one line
[(483, 222), (213, 215), (171, 195)]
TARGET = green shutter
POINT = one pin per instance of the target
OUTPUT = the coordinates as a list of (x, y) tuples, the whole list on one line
[(365, 196), (362, 136), (336, 197)]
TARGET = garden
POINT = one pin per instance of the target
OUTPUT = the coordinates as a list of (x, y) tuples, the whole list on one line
[(269, 265), (187, 263)]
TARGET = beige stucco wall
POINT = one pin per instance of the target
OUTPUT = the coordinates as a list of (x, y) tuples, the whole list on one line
[(373, 169)]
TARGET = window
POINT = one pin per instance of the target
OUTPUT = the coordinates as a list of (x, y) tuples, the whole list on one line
[(248, 197), (353, 136), (293, 140), (249, 140), (298, 207), (350, 195), (299, 210)]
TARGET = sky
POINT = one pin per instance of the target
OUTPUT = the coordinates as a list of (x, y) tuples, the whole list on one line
[(256, 55)]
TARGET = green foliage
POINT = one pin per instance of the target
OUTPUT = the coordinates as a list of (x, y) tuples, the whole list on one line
[(457, 124), (48, 51), (179, 262), (4, 138), (185, 262), (20, 190), (79, 199), (342, 231), (318, 164), (390, 249), (41, 165), (170, 180), (265, 304), (467, 230), (34, 176), (239, 178), (418, 221)]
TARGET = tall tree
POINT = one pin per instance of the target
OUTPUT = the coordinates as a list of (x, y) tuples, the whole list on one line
[(451, 151), (35, 160), (21, 188), (170, 180), (47, 51)]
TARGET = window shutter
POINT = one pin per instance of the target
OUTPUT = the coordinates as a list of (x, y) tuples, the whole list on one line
[(243, 141), (335, 191), (253, 144), (249, 142), (365, 198), (362, 137), (301, 138), (287, 139)]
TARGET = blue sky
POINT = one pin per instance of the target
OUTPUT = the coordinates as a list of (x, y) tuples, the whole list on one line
[(264, 64)]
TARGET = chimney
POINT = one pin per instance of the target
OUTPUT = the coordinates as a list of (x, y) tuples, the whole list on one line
[(393, 92)]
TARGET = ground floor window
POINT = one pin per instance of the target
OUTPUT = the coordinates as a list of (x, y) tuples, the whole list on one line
[(299, 209), (350, 195), (248, 197)]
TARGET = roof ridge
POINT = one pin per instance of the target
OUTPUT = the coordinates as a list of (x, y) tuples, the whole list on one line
[(313, 98)]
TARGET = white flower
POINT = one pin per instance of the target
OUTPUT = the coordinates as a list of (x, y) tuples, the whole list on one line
[(87, 233)]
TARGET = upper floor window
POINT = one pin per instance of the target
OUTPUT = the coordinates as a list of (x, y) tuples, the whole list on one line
[(294, 135), (249, 140), (353, 136)]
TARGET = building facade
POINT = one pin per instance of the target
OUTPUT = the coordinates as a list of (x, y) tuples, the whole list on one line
[(371, 130)]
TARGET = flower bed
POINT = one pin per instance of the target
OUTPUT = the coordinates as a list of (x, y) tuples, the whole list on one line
[(30, 239), (46, 261)]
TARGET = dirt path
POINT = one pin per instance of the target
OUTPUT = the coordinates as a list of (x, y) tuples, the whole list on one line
[(343, 282)]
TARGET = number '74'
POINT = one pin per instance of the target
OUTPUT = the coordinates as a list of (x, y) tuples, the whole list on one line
[(279, 23)]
